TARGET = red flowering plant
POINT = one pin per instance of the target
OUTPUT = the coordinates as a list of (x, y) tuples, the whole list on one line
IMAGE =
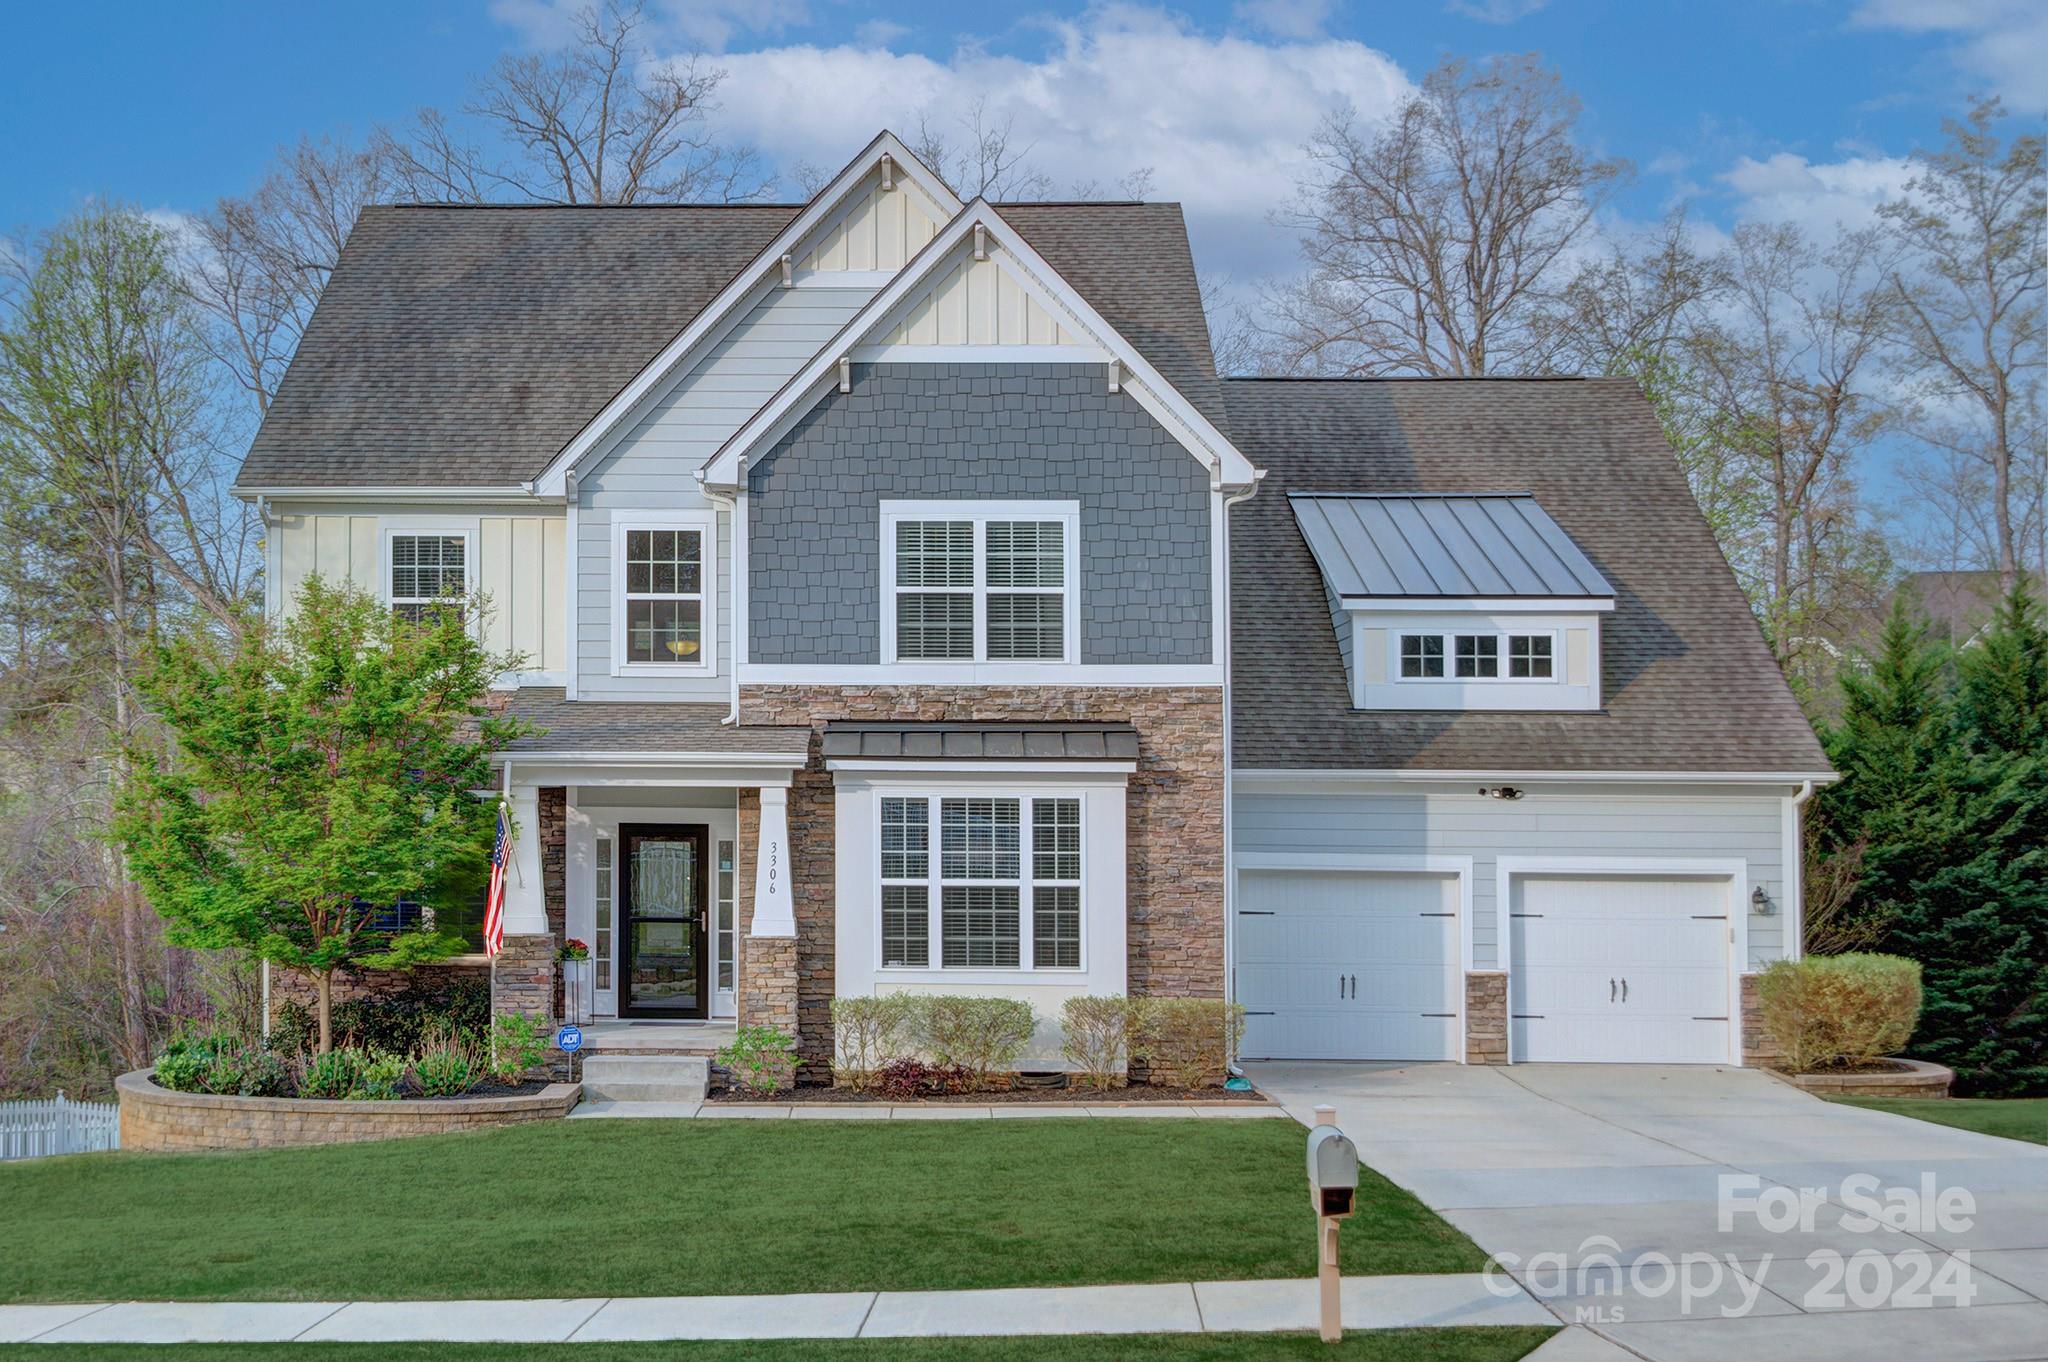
[(572, 949)]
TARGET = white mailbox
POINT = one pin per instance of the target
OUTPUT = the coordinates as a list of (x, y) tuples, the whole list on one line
[(1332, 1170)]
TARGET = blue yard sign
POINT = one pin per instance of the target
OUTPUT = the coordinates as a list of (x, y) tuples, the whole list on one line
[(570, 1038)]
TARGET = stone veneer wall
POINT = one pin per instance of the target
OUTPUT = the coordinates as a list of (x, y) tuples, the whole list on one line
[(1173, 837), (153, 1118), (1486, 1017), (1759, 1046)]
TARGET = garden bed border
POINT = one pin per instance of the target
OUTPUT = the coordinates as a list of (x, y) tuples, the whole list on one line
[(156, 1118), (1917, 1078)]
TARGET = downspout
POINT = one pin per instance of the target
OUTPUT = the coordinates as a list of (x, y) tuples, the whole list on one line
[(1229, 819), (1795, 877)]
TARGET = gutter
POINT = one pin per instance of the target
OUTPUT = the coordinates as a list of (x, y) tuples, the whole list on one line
[(1229, 857)]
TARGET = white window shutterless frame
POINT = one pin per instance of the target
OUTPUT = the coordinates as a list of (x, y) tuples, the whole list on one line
[(422, 560), (629, 529), (1008, 565), (980, 882), (1520, 656)]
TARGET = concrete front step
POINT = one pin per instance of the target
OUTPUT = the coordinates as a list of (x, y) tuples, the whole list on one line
[(646, 1078)]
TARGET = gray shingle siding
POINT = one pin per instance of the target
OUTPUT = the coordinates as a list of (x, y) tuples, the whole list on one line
[(977, 432)]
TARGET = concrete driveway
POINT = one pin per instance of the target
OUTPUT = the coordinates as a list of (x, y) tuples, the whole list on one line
[(1602, 1189)]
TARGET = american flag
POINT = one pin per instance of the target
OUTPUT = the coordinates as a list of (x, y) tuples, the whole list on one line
[(494, 903)]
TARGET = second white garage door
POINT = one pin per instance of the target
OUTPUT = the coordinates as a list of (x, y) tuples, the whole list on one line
[(1348, 964), (1620, 969)]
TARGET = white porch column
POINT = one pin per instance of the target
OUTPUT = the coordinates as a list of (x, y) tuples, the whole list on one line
[(526, 909), (774, 914)]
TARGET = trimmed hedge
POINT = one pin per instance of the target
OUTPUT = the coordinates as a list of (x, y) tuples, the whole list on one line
[(1840, 1011)]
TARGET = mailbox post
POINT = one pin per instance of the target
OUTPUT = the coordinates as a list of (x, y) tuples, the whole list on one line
[(1332, 1187)]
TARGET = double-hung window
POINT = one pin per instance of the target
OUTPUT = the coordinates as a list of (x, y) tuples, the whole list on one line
[(979, 582), (980, 882), (1488, 655), (424, 572), (663, 566)]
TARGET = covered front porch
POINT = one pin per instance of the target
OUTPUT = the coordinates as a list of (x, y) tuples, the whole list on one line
[(655, 836)]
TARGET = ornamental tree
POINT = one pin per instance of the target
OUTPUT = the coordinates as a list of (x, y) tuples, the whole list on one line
[(322, 769)]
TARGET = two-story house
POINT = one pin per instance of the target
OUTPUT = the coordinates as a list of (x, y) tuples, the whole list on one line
[(905, 603)]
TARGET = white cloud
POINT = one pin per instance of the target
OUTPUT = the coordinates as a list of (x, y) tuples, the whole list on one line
[(2002, 43), (1815, 195), (1220, 120), (1494, 11), (1285, 18)]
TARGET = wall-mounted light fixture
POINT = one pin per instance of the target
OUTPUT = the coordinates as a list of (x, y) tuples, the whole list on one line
[(1761, 901), (1500, 791)]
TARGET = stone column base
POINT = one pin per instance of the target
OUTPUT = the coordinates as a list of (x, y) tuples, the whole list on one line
[(1486, 1017), (523, 978), (768, 983), (1759, 1047)]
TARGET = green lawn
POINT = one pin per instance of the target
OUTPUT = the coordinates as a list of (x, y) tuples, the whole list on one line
[(640, 1208), (2016, 1118), (1400, 1345)]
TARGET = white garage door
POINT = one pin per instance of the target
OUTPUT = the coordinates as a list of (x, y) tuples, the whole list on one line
[(1620, 970), (1347, 964)]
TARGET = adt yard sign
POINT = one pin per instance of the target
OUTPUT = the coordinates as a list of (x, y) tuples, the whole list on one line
[(570, 1038)]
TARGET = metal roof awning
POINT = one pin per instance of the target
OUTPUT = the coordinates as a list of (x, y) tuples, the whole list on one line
[(1421, 547), (1023, 743)]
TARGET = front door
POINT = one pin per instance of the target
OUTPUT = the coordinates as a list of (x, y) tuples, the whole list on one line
[(662, 906)]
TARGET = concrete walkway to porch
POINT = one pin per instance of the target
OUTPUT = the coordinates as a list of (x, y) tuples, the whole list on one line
[(1166, 1308)]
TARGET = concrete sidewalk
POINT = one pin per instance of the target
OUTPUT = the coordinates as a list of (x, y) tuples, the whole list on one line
[(1172, 1308), (600, 1110)]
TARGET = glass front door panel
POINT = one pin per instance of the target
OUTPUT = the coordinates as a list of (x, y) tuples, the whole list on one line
[(663, 922)]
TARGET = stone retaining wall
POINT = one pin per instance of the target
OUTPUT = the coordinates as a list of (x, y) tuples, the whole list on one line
[(154, 1118), (1916, 1078)]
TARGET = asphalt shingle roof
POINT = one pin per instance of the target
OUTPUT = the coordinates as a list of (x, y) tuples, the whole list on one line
[(465, 346), (1689, 683), (599, 726), (1422, 546)]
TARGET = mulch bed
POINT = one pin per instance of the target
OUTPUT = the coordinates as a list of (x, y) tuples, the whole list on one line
[(1059, 1097)]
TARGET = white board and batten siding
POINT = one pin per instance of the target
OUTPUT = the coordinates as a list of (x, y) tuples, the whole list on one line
[(653, 466), (519, 564)]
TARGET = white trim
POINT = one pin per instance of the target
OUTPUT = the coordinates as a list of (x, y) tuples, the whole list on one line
[(782, 759), (979, 514), (385, 492), (593, 775), (514, 680), (868, 279), (716, 313), (1281, 776), (984, 674), (1735, 872), (698, 520), (1509, 605), (1792, 876), (1194, 431), (977, 354), (1459, 867), (979, 765), (572, 563)]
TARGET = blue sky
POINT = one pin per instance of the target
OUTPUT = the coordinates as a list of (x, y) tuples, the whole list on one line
[(1740, 107)]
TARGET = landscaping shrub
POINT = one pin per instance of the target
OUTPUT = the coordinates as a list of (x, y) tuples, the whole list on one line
[(399, 1023), (982, 1035), (238, 1070), (1190, 1042), (446, 1066), (183, 1065), (294, 1029), (518, 1045), (1102, 1038), (761, 1059), (334, 1074), (1839, 1011), (380, 1080), (911, 1080), (870, 1032)]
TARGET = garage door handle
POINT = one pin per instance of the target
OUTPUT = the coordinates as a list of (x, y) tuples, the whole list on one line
[(1610, 990), (1624, 990)]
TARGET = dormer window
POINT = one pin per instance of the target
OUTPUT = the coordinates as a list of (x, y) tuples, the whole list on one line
[(1457, 602)]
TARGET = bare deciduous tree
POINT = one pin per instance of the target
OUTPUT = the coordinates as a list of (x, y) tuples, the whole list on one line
[(983, 159), (1969, 297), (602, 121), (1791, 368), (257, 264), (1435, 245)]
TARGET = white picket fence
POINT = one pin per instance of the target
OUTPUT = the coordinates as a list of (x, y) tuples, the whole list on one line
[(58, 1125)]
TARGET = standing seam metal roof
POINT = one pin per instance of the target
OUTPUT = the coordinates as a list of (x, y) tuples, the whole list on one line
[(1481, 545)]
